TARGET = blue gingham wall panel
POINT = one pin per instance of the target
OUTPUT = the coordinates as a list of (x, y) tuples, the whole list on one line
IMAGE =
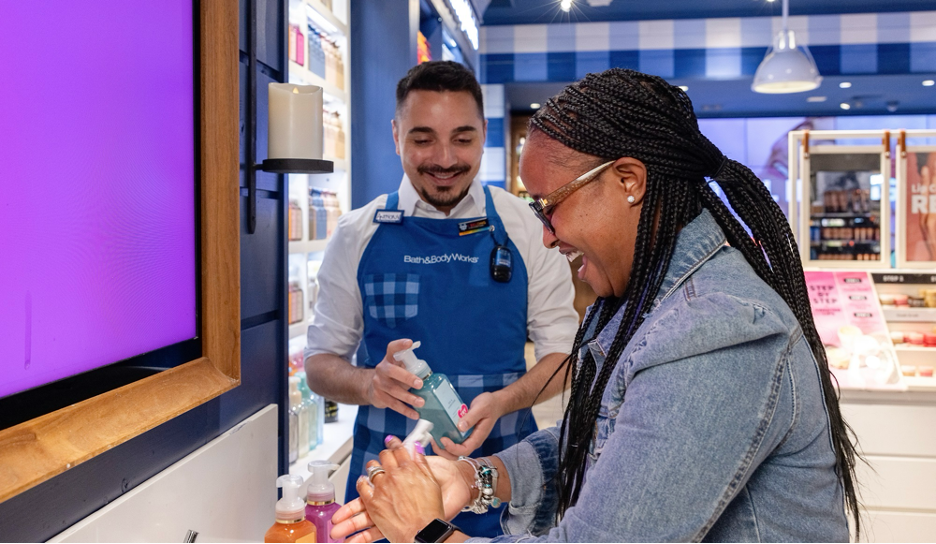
[(863, 43)]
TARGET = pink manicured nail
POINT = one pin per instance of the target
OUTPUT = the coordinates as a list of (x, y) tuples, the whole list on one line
[(388, 439), (419, 448)]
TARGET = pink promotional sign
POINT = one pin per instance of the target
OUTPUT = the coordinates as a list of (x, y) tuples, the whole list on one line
[(97, 165), (851, 325)]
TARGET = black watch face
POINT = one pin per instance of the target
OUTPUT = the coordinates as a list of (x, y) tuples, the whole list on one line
[(436, 531)]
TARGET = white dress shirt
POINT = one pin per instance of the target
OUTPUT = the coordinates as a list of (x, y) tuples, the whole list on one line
[(338, 321)]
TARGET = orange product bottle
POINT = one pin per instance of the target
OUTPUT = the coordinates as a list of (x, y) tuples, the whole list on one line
[(291, 525)]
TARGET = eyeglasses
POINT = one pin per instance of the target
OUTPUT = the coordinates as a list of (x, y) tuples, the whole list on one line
[(543, 207)]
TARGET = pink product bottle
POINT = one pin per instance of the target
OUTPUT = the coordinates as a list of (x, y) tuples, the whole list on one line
[(300, 47), (320, 499)]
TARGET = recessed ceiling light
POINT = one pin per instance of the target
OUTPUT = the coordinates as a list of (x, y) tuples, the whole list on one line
[(845, 84), (845, 106), (816, 99), (929, 83), (685, 88), (535, 106), (565, 5)]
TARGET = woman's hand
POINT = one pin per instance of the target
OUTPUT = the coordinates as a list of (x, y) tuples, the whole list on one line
[(405, 498), (484, 412)]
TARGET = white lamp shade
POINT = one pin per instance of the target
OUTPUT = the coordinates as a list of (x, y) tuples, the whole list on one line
[(786, 68)]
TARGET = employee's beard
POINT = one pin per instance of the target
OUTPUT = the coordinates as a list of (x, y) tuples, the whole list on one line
[(443, 197)]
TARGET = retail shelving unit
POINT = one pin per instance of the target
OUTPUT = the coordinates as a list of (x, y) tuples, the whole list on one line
[(312, 23), (319, 54)]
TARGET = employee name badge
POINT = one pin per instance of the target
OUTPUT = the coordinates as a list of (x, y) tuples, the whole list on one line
[(471, 227), (389, 216)]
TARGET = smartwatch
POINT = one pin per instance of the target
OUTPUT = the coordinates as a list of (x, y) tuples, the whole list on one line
[(437, 531)]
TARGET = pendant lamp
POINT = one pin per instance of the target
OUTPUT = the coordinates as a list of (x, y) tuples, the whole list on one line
[(786, 68)]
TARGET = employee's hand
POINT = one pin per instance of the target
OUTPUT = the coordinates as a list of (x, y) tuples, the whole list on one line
[(405, 498), (484, 412), (390, 383)]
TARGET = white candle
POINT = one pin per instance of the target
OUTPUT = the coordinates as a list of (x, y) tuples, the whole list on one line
[(295, 122)]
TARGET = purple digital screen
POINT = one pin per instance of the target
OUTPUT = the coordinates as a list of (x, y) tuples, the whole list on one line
[(97, 169)]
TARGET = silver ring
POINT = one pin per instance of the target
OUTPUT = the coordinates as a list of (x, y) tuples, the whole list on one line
[(374, 471)]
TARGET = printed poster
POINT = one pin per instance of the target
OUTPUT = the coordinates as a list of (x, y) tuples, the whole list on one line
[(921, 207)]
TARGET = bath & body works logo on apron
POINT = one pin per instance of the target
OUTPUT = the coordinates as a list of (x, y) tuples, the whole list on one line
[(443, 259)]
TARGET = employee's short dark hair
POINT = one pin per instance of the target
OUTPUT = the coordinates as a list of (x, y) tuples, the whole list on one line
[(439, 75)]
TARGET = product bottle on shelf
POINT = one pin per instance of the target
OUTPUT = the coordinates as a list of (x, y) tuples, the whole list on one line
[(308, 399), (313, 215), (331, 411), (322, 224), (340, 67), (300, 47), (305, 418), (330, 70), (295, 402), (292, 42), (339, 138), (316, 53), (295, 221)]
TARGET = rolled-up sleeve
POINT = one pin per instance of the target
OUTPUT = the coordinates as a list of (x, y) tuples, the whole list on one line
[(338, 319), (551, 318)]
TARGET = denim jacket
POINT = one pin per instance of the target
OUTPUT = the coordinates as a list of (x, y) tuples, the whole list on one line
[(713, 426)]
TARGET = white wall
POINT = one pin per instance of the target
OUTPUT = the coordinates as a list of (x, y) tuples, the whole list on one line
[(225, 490)]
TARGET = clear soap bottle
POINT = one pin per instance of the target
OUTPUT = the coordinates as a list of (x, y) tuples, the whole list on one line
[(443, 406)]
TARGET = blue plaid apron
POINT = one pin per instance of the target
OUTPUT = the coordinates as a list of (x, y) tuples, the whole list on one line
[(420, 279)]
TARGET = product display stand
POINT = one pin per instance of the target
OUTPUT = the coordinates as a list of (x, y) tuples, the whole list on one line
[(845, 232)]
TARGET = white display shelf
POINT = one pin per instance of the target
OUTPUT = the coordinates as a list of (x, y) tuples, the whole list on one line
[(329, 18), (915, 383), (299, 329), (910, 315), (340, 164), (336, 443), (920, 349), (298, 74), (308, 246)]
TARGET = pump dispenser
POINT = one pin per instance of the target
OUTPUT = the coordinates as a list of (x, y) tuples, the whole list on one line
[(320, 499), (443, 406), (419, 438), (291, 525)]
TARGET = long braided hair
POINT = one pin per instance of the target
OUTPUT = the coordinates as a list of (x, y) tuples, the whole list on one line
[(624, 113)]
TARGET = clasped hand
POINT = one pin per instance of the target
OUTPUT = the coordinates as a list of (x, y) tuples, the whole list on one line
[(409, 493)]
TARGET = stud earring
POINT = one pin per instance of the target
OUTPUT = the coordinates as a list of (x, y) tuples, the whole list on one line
[(631, 199)]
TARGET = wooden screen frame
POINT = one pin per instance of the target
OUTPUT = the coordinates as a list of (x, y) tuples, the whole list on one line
[(37, 450)]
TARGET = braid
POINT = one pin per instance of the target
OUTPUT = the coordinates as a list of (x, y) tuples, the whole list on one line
[(623, 113)]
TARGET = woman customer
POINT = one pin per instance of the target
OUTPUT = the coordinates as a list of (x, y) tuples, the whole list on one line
[(702, 406)]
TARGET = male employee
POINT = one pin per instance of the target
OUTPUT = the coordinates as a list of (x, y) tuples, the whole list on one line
[(423, 269)]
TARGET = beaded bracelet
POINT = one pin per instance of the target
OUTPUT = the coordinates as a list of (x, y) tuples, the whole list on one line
[(485, 482)]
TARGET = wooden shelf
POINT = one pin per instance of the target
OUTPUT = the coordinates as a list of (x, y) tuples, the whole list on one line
[(299, 73), (310, 246)]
